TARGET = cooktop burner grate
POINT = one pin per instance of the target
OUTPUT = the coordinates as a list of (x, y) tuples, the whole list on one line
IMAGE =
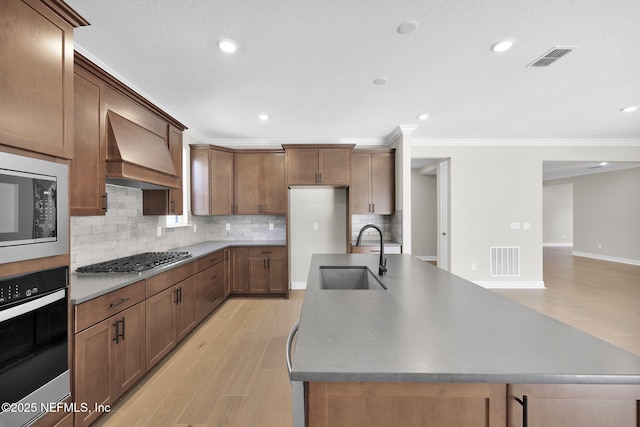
[(134, 263)]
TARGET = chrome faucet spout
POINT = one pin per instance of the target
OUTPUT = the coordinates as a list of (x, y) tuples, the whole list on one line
[(382, 268)]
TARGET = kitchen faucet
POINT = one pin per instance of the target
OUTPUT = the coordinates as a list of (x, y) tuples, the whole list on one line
[(382, 268)]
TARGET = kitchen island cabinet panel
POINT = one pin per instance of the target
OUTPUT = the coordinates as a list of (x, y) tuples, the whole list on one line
[(575, 405), (406, 404)]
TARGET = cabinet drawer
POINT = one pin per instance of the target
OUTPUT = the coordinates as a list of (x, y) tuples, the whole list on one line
[(268, 251), (208, 279), (162, 281), (209, 302), (93, 311), (209, 260)]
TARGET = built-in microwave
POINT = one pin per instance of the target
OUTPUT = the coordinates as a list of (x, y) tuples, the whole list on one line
[(34, 208)]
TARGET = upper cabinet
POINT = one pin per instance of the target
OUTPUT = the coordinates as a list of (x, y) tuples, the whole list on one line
[(36, 76), (211, 180), (260, 182), (372, 187), (318, 165), (121, 138)]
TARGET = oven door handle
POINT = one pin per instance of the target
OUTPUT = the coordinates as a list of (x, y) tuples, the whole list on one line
[(32, 305)]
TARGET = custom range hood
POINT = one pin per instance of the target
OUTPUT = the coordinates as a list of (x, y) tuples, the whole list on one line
[(138, 157)]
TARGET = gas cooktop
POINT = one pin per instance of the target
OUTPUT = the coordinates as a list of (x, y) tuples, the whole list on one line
[(135, 263)]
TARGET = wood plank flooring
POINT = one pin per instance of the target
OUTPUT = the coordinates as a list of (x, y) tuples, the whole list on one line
[(231, 371)]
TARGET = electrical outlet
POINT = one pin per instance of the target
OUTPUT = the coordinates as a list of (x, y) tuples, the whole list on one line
[(270, 226), (599, 245), (228, 227), (159, 232), (473, 266), (526, 226), (515, 226), (315, 225), (195, 227)]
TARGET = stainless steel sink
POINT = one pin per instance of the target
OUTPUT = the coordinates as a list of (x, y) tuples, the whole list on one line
[(332, 277)]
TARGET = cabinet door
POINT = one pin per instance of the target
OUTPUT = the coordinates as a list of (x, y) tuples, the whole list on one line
[(186, 307), (248, 183), (406, 404), (239, 266), (258, 275), (303, 166), (383, 183), (275, 190), (200, 181), (36, 77), (129, 351), (87, 195), (575, 405), (161, 325), (221, 169), (93, 379), (334, 165), (277, 275), (359, 188)]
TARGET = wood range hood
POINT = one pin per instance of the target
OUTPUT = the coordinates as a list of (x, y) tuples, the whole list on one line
[(138, 157)]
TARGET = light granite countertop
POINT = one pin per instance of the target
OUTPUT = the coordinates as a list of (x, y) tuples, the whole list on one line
[(91, 285), (433, 326)]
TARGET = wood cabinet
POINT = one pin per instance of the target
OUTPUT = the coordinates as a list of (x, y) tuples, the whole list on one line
[(102, 106), (318, 165), (36, 76), (239, 270), (406, 404), (372, 188), (211, 180), (210, 283), (260, 182), (574, 405), (267, 270), (109, 354), (167, 202), (170, 317)]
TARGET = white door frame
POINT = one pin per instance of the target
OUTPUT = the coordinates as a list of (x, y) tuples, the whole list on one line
[(444, 229)]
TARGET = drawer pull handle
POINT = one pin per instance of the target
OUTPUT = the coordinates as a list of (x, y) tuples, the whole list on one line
[(118, 333), (123, 300)]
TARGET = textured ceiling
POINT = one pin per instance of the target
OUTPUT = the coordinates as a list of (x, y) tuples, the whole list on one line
[(310, 65)]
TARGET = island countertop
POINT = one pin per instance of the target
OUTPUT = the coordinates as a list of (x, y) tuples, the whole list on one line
[(433, 326)]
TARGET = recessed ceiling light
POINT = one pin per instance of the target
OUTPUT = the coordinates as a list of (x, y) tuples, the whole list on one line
[(502, 45), (380, 81), (424, 116), (603, 163), (227, 45), (630, 109), (408, 27), (263, 117)]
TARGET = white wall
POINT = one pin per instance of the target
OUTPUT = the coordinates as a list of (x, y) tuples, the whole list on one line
[(328, 208), (557, 216), (424, 215), (494, 185)]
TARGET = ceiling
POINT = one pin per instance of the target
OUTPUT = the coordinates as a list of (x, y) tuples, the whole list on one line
[(310, 66)]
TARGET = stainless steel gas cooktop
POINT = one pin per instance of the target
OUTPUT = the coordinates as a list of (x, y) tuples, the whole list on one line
[(135, 263)]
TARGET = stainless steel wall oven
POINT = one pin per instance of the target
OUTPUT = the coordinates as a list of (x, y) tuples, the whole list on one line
[(34, 364)]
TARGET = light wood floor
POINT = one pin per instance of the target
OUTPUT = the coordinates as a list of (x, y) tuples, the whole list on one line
[(231, 370)]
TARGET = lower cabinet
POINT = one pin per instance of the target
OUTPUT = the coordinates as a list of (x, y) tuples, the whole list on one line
[(170, 317), (109, 358), (573, 405), (405, 404), (267, 267), (472, 405)]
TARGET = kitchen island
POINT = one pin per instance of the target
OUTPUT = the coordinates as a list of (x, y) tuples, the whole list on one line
[(435, 349)]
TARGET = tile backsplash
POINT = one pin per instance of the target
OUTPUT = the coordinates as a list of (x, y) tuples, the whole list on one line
[(124, 231)]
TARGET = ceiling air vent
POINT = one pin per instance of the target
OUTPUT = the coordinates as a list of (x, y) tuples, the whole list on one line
[(552, 56)]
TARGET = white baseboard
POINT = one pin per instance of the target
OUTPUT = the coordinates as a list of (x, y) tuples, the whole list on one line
[(511, 285), (607, 258), (298, 285), (428, 258), (557, 244)]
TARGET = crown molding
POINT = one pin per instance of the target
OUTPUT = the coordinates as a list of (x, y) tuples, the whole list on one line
[(524, 142)]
